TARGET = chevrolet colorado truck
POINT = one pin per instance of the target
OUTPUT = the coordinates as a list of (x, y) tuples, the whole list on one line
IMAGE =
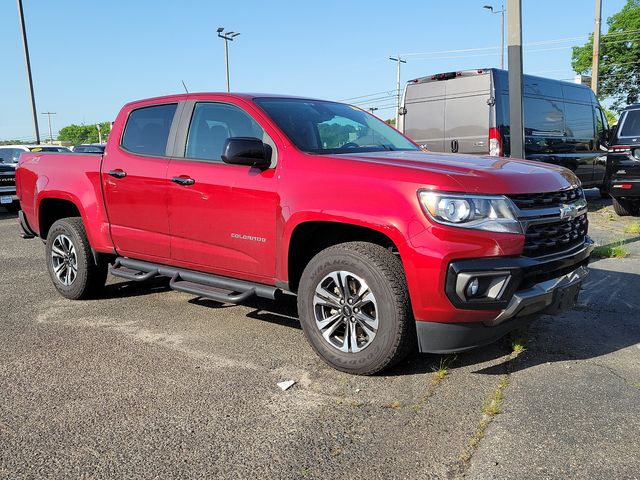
[(388, 248)]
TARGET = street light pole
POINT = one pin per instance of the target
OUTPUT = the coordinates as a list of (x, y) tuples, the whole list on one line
[(516, 117), (227, 37), (595, 62), (28, 65), (398, 60), (48, 114), (502, 12)]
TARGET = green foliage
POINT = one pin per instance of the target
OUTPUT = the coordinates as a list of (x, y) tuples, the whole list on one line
[(13, 142), (619, 57), (77, 134), (612, 118)]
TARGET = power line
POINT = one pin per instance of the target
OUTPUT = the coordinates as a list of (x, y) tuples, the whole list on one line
[(539, 43)]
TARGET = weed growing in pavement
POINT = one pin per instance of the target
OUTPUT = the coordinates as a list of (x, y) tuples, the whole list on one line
[(395, 405), (614, 250), (633, 228), (492, 406), (442, 370), (517, 345)]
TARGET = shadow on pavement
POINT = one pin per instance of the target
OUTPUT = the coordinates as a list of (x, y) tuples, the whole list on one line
[(605, 321)]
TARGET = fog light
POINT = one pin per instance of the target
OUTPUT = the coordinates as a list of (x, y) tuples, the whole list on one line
[(472, 288)]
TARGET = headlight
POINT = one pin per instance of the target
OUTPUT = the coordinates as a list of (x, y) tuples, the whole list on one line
[(481, 212)]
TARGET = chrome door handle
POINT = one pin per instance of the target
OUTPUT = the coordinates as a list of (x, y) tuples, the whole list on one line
[(183, 180), (117, 173)]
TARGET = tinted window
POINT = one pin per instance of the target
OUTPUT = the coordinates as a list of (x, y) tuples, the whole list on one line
[(630, 124), (579, 120), (147, 129), (10, 155), (543, 117), (212, 124), (89, 149)]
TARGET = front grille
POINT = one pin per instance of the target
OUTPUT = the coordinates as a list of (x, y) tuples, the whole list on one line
[(549, 238), (545, 200), (8, 180)]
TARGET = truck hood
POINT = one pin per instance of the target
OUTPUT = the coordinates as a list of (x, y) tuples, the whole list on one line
[(477, 174)]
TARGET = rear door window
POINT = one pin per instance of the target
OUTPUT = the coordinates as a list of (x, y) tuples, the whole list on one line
[(630, 124), (147, 129), (579, 120), (543, 117)]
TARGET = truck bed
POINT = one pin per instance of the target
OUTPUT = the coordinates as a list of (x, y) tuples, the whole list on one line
[(43, 177)]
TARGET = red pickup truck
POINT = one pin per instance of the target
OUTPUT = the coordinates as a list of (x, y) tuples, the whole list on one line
[(387, 247)]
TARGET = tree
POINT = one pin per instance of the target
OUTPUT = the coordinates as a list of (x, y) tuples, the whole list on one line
[(612, 118), (77, 134), (620, 57)]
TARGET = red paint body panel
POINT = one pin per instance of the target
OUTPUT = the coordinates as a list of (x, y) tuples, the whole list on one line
[(205, 226)]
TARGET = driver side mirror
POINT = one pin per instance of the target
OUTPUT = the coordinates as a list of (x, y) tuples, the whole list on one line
[(248, 151)]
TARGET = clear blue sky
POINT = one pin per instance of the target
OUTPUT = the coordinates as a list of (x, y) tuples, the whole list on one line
[(89, 58)]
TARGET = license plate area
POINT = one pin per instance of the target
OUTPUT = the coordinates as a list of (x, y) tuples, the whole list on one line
[(4, 199)]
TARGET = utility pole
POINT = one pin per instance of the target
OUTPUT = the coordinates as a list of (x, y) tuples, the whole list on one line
[(48, 114), (502, 11), (514, 39), (398, 61), (227, 37), (25, 45), (595, 63), (99, 127), (373, 109)]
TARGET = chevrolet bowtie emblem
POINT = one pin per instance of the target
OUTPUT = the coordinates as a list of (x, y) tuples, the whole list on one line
[(568, 211)]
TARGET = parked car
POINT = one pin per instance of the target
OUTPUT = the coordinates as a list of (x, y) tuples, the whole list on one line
[(9, 156), (468, 112), (623, 163), (386, 246), (8, 197), (89, 148)]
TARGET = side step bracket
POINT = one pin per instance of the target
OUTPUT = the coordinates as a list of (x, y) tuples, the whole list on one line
[(214, 287)]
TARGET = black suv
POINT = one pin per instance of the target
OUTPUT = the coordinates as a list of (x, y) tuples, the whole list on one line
[(623, 163)]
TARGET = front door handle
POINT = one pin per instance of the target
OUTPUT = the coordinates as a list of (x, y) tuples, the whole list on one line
[(183, 180), (117, 173)]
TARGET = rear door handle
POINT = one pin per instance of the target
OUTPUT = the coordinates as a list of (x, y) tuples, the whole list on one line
[(183, 180), (117, 173)]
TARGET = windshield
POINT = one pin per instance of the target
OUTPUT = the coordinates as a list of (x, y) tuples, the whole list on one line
[(630, 126), (327, 127)]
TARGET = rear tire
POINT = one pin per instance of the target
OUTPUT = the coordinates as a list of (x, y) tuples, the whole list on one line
[(625, 208), (355, 309), (70, 262)]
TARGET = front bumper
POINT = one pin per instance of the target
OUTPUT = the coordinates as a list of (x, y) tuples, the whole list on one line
[(532, 287)]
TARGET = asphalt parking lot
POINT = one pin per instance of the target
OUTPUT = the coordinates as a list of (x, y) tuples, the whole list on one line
[(149, 382)]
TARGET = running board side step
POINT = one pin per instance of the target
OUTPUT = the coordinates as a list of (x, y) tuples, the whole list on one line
[(205, 285)]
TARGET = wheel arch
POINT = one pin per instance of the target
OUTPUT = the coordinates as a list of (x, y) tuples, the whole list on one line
[(307, 238)]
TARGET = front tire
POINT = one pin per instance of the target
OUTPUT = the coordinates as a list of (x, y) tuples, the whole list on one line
[(354, 308), (70, 262)]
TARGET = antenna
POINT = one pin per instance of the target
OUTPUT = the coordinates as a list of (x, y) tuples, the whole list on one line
[(185, 87)]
